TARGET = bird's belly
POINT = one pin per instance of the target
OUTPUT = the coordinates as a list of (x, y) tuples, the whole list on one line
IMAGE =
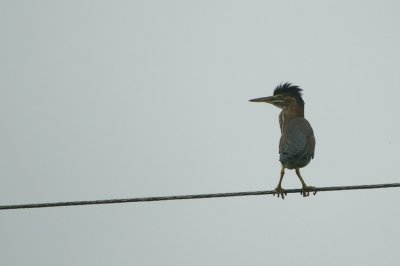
[(293, 162)]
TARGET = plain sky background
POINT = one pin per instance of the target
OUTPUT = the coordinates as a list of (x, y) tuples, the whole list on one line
[(115, 99)]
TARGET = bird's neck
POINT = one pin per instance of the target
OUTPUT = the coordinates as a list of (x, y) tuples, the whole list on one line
[(288, 114)]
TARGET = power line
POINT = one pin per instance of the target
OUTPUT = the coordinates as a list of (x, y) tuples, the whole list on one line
[(184, 197)]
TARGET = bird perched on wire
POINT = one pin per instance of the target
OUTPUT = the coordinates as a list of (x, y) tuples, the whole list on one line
[(297, 143)]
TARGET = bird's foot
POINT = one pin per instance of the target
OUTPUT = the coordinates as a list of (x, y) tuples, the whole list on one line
[(305, 191), (280, 192)]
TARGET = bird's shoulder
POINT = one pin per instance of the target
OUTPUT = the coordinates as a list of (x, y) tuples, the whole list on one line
[(299, 125)]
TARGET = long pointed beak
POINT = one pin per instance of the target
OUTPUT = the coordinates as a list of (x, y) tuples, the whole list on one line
[(269, 99)]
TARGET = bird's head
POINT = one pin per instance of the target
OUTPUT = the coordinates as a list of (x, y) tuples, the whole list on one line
[(285, 95)]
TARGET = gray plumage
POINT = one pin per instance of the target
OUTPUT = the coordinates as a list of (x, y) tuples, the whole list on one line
[(297, 144)]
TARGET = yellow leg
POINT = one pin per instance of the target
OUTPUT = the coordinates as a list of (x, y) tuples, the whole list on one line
[(306, 189), (279, 191)]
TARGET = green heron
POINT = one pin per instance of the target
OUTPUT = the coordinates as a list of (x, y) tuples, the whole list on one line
[(297, 143)]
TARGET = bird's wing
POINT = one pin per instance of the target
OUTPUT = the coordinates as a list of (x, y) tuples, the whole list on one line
[(310, 147), (292, 144), (297, 140)]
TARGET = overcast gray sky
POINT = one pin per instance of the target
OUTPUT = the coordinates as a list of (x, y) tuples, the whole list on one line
[(114, 99)]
